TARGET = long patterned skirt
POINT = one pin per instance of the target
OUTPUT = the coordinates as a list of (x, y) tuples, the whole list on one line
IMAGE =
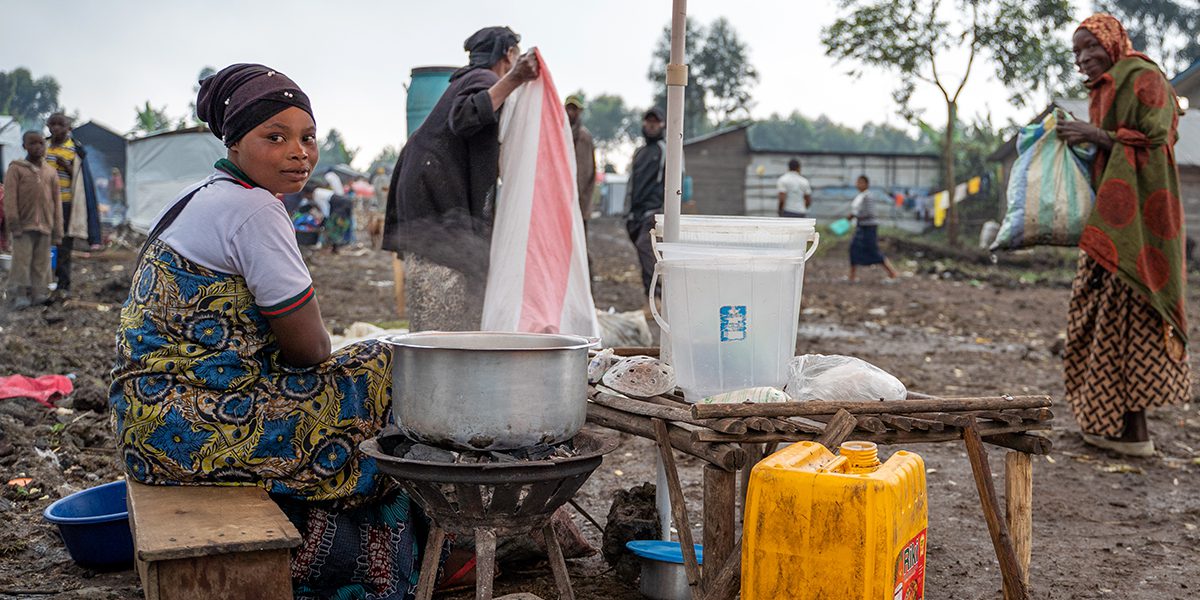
[(1119, 356)]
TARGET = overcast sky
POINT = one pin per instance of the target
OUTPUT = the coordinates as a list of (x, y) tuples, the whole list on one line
[(353, 57)]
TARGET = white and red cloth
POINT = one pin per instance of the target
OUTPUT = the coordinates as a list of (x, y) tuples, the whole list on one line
[(538, 281)]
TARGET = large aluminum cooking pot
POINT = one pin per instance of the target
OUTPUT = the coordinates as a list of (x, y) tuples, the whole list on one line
[(489, 390)]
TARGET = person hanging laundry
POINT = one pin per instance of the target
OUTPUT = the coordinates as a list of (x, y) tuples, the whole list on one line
[(441, 200)]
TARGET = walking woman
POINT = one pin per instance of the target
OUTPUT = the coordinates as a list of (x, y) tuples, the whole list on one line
[(1127, 332), (864, 246), (224, 373)]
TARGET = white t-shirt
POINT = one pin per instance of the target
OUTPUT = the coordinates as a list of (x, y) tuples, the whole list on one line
[(243, 231), (796, 187)]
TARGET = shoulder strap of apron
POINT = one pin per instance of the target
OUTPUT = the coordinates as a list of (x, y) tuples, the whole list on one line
[(173, 213)]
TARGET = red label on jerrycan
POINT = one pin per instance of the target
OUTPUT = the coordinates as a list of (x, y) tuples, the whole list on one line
[(910, 570)]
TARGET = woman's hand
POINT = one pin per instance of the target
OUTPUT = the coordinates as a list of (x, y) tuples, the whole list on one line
[(1079, 132), (525, 69)]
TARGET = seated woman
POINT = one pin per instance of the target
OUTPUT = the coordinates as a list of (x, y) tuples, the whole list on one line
[(224, 374)]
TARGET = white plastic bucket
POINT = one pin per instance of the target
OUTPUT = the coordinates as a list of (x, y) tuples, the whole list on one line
[(744, 232), (735, 319)]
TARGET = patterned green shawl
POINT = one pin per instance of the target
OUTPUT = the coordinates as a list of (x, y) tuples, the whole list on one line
[(1136, 229)]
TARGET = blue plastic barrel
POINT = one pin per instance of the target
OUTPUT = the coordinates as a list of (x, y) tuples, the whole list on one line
[(427, 86), (94, 525)]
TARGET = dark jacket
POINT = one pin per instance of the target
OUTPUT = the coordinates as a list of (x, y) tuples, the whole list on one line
[(644, 192), (440, 204)]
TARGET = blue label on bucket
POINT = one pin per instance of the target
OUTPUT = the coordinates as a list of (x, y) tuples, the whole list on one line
[(733, 323)]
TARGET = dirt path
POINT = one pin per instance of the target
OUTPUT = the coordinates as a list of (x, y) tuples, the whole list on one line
[(1105, 527)]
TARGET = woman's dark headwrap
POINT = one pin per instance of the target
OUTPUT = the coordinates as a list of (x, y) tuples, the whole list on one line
[(239, 97), (486, 47)]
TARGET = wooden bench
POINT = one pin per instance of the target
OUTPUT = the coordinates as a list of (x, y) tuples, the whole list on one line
[(210, 542)]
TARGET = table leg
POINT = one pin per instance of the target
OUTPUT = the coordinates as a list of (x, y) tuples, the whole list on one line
[(1018, 498), (679, 510), (754, 453), (720, 492), (429, 564), (1010, 569)]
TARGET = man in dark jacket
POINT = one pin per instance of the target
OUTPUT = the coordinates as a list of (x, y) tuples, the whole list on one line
[(644, 192), (439, 211)]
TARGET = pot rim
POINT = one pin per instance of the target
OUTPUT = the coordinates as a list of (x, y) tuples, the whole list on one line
[(413, 340)]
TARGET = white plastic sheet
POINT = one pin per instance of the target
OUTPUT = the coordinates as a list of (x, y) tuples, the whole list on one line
[(844, 378), (538, 280)]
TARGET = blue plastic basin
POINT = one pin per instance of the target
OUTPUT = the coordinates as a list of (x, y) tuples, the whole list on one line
[(94, 524)]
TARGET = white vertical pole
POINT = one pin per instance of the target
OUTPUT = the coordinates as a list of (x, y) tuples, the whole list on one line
[(673, 192)]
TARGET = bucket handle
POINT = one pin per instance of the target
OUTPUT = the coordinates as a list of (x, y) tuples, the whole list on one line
[(814, 241), (654, 307)]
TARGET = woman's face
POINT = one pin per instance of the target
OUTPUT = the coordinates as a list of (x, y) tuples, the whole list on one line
[(280, 153), (1090, 57)]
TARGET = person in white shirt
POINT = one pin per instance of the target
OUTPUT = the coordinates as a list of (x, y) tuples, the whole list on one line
[(795, 193)]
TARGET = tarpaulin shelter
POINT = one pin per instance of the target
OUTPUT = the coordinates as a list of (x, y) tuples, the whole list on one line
[(10, 141), (161, 165)]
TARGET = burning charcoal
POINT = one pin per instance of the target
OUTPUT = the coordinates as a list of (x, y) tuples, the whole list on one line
[(425, 453)]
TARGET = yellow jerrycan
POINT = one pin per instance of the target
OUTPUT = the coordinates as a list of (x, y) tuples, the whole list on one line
[(825, 527)]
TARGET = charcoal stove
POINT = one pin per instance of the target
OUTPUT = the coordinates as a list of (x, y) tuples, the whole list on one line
[(487, 499)]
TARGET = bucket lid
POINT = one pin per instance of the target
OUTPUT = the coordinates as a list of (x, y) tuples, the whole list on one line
[(689, 250), (662, 551), (709, 221)]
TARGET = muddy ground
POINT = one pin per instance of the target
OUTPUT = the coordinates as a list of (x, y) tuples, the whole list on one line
[(954, 324)]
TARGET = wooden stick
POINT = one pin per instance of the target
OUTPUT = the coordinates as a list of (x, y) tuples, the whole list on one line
[(558, 565), (890, 437), (754, 453), (952, 419), (838, 429), (909, 423), (679, 510), (720, 497), (429, 564), (635, 351), (1018, 498), (762, 424), (723, 425), (1010, 567), (639, 407), (996, 415), (727, 456), (818, 407), (725, 585), (1029, 444), (867, 423)]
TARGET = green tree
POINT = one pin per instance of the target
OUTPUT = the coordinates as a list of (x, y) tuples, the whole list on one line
[(909, 37), (611, 122), (797, 132), (150, 120), (1167, 30), (30, 101), (334, 151), (386, 158), (719, 76)]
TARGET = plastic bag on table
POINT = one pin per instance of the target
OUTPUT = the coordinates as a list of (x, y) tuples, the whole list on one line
[(840, 378)]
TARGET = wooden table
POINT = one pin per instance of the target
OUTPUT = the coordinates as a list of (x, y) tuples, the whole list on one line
[(734, 437)]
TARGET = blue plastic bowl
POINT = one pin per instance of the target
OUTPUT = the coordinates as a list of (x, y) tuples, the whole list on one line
[(94, 524)]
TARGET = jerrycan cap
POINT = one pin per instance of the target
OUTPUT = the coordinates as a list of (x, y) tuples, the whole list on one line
[(861, 457)]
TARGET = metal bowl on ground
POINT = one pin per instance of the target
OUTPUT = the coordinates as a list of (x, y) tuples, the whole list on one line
[(663, 573), (484, 390)]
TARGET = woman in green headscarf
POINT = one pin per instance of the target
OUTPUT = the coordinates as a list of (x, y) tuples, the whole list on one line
[(1127, 333)]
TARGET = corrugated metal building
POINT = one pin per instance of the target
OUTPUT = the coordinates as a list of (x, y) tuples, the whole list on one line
[(1187, 156), (732, 177)]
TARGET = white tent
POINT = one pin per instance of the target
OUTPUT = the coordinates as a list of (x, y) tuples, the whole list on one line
[(161, 165), (10, 141)]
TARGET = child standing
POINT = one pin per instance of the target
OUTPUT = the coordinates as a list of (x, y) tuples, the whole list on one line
[(34, 219)]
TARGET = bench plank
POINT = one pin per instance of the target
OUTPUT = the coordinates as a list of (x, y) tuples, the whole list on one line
[(174, 522)]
